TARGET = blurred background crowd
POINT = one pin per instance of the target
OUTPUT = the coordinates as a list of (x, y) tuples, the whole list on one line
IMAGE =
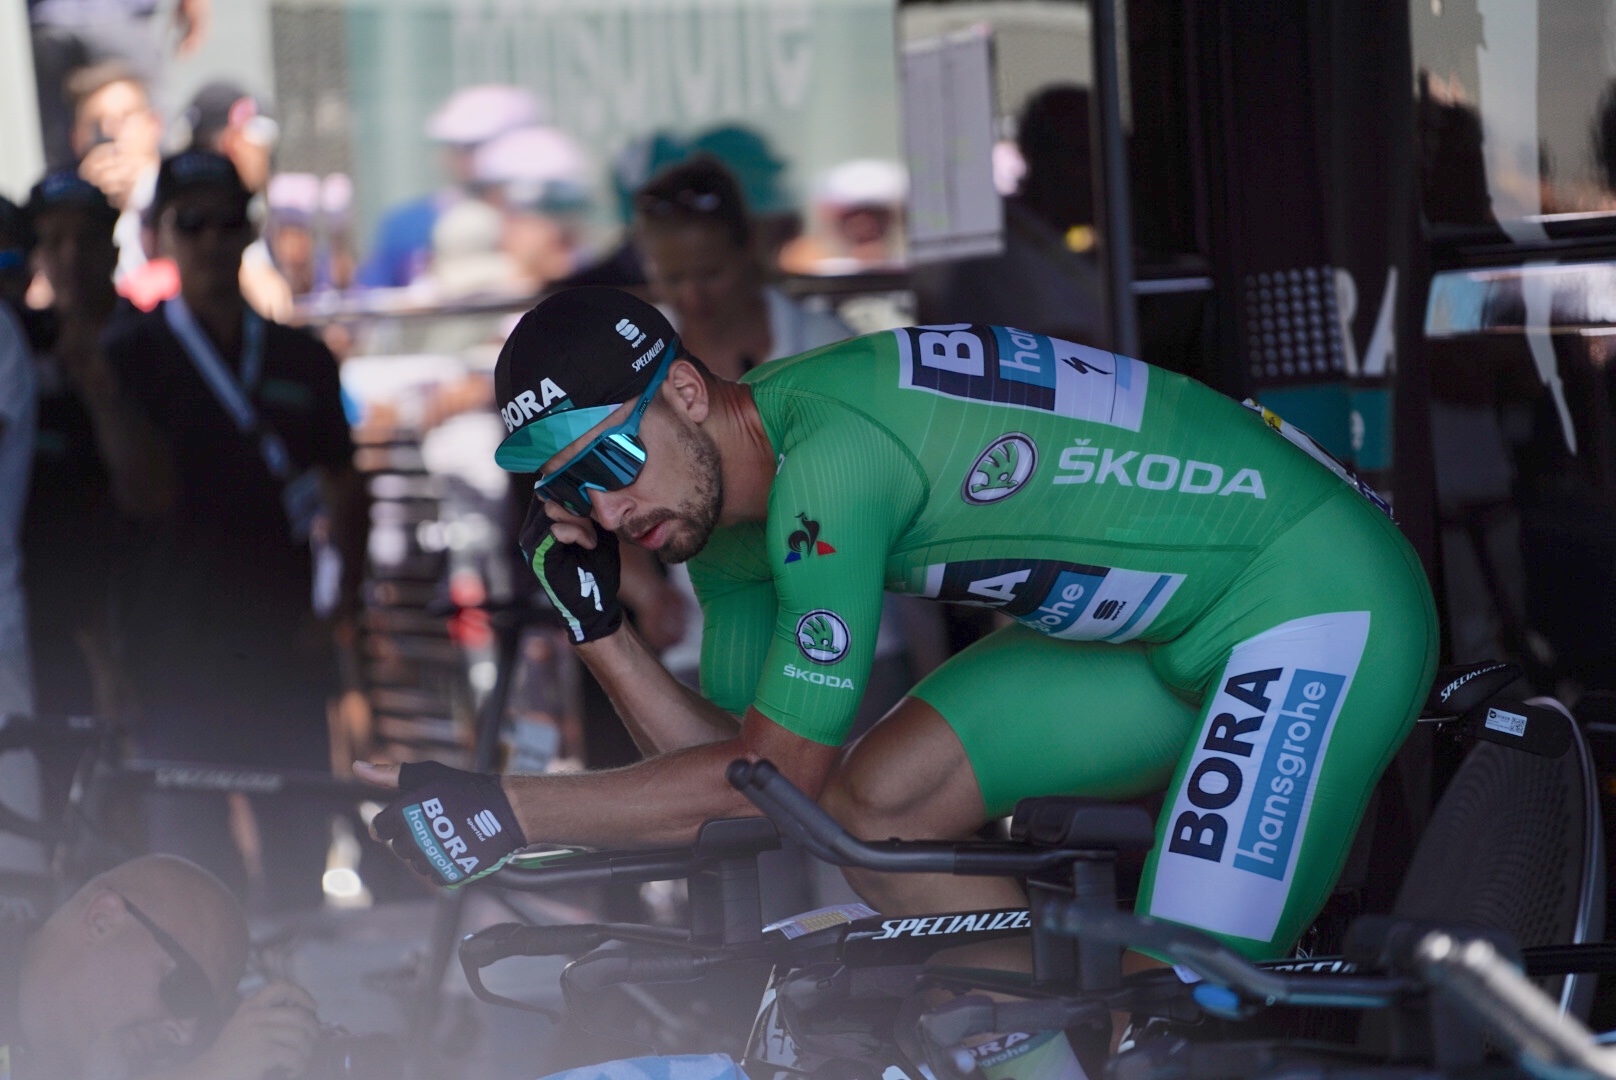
[(251, 515)]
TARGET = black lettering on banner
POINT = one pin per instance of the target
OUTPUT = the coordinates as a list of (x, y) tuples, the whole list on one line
[(1223, 736), (1252, 687), (1215, 800), (1199, 835)]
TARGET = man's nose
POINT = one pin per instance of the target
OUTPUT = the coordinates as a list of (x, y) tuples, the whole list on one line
[(610, 508)]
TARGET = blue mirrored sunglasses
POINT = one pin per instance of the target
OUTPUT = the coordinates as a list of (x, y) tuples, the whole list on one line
[(610, 462)]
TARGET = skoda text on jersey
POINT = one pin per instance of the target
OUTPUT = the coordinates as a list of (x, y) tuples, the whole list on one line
[(1233, 828)]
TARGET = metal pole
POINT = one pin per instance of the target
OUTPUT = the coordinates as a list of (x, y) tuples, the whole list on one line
[(1111, 178)]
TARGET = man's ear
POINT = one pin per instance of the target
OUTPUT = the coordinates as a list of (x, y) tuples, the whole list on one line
[(688, 389), (103, 914)]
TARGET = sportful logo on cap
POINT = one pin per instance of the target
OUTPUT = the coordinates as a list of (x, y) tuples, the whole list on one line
[(631, 333)]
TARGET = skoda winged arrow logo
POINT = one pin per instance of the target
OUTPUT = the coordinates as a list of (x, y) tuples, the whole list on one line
[(1000, 471), (822, 636), (806, 541)]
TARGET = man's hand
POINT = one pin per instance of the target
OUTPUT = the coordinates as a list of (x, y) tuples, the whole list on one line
[(578, 567), (451, 826), (111, 170), (276, 1028), (192, 18)]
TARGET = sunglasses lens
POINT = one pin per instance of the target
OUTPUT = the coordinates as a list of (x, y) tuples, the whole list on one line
[(611, 464)]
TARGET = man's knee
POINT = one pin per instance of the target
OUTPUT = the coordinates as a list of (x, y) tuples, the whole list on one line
[(909, 778), (859, 804)]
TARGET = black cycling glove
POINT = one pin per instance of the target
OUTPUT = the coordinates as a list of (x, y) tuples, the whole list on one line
[(581, 583), (450, 825)]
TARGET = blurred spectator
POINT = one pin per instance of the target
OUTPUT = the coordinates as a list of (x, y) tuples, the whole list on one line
[(292, 229), (227, 119), (468, 255), (89, 431), (468, 259), (858, 221), (1046, 279), (336, 261), (540, 177), (228, 659), (135, 975), (635, 164), (71, 34), (746, 153), (696, 238), (308, 231), (471, 117), (17, 411), (117, 138)]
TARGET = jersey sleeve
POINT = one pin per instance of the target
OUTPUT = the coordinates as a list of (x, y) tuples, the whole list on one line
[(738, 606), (841, 498)]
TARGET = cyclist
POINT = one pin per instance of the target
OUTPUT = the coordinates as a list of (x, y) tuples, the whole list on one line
[(1200, 604)]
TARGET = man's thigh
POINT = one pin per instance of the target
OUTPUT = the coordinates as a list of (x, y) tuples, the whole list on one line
[(1314, 667), (1037, 716)]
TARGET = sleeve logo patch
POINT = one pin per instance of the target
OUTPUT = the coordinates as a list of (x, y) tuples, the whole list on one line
[(822, 636), (1000, 470), (805, 541)]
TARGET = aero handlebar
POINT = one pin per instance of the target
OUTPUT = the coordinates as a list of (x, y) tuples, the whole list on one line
[(802, 819)]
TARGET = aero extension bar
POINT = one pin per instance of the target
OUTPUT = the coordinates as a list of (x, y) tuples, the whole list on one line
[(799, 817)]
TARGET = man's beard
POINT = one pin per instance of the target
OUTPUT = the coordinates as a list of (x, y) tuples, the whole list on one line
[(695, 519)]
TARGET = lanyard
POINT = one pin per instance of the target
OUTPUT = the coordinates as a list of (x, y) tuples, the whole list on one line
[(232, 395)]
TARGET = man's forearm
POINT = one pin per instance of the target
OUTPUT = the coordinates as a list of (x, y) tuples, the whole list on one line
[(660, 712), (656, 802)]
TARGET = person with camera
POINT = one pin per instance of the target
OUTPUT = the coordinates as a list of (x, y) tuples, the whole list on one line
[(135, 976)]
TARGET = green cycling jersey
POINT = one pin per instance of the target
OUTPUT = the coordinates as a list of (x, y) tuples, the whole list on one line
[(1089, 496)]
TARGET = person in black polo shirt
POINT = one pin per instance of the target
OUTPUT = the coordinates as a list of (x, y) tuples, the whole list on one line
[(229, 660), (88, 431), (135, 976)]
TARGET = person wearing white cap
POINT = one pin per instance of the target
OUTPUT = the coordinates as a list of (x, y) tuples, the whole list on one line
[(858, 207), (540, 177), (473, 116)]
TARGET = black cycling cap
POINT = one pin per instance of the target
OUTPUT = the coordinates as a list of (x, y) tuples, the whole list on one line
[(569, 363), (196, 170), (66, 189)]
